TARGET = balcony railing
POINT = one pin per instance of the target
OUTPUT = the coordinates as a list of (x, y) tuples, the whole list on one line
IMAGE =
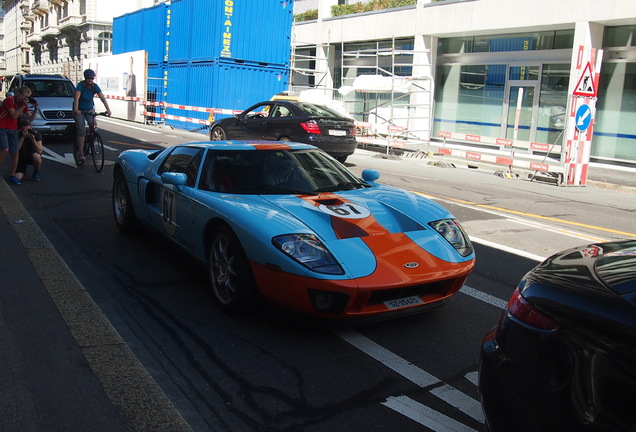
[(40, 6), (51, 30), (71, 21), (34, 37)]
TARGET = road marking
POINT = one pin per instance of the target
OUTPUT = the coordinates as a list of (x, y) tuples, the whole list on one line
[(499, 210), (66, 159), (482, 296), (420, 377), (508, 249), (128, 126), (424, 415)]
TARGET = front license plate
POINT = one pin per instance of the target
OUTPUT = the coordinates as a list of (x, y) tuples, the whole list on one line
[(408, 301), (337, 132), (58, 127)]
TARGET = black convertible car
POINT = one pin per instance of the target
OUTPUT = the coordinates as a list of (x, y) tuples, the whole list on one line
[(562, 357), (300, 122)]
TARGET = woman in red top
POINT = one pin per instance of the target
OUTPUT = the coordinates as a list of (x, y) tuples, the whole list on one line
[(12, 108)]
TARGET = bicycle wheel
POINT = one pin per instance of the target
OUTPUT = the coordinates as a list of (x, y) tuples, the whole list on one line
[(97, 152)]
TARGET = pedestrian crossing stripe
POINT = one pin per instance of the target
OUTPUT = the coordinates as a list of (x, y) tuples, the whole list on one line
[(586, 86)]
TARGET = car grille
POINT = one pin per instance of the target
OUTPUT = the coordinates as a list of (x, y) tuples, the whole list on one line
[(432, 290), (58, 115)]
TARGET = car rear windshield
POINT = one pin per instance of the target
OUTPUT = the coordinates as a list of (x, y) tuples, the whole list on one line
[(313, 110), (50, 88)]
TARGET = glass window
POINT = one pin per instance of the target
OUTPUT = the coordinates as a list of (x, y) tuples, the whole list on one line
[(470, 99), (623, 36), (553, 101), (183, 160), (615, 123), (523, 73), (103, 42), (511, 42)]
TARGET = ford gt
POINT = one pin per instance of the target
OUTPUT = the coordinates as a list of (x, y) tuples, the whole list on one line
[(288, 223)]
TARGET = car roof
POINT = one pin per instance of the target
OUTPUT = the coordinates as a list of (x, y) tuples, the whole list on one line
[(27, 77), (250, 145)]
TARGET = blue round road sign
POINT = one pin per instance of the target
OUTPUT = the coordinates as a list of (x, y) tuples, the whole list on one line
[(583, 117)]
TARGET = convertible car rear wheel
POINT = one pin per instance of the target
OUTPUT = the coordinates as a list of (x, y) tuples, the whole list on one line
[(122, 205), (218, 134), (230, 273)]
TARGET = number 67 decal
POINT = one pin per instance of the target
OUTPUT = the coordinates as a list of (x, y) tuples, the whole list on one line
[(345, 211)]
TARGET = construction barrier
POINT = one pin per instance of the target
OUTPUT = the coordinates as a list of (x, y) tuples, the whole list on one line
[(498, 159)]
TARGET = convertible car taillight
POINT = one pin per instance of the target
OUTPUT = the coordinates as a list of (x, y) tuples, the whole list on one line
[(311, 126), (528, 314)]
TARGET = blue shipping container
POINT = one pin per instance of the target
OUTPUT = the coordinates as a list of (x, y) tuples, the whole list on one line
[(214, 85), (253, 32), (145, 29)]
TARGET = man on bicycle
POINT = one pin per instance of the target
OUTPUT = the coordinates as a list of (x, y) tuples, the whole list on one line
[(83, 104)]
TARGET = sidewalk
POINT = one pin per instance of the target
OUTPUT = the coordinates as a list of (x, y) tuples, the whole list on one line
[(63, 366)]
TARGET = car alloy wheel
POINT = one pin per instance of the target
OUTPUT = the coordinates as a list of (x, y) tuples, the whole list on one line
[(122, 206), (218, 134), (230, 274)]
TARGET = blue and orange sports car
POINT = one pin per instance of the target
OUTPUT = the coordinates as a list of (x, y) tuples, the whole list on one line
[(288, 223)]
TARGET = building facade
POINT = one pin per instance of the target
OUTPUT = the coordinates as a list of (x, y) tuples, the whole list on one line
[(483, 72), (54, 36)]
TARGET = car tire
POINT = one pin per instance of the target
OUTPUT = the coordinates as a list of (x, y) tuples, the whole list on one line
[(341, 159), (230, 273), (284, 139), (122, 204), (218, 134)]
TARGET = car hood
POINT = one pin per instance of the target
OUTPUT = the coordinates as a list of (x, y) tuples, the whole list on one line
[(46, 103), (379, 214)]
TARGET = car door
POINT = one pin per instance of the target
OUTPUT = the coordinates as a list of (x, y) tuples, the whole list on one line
[(281, 123), (251, 123), (171, 209)]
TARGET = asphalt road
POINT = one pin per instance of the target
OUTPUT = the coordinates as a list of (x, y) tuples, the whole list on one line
[(275, 371)]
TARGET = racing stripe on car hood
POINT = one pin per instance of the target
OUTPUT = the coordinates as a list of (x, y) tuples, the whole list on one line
[(347, 221)]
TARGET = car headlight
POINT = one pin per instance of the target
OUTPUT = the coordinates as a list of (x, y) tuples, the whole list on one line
[(308, 251), (452, 231)]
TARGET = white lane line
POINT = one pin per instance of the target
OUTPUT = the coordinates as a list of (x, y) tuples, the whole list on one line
[(482, 296), (424, 415), (392, 361), (459, 400), (507, 249), (473, 377), (129, 126), (408, 370)]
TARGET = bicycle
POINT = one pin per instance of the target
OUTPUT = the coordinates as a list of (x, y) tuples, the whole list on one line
[(93, 145)]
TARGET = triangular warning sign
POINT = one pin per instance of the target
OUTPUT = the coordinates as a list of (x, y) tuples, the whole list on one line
[(585, 86)]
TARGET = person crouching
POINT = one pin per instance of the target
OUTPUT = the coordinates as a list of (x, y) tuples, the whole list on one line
[(30, 153)]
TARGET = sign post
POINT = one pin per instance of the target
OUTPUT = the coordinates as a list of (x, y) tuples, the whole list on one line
[(582, 108)]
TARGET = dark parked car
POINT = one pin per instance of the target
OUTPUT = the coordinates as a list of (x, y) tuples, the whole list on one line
[(54, 94), (300, 122), (563, 356)]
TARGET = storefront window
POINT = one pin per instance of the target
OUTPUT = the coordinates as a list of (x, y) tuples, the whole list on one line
[(549, 40), (469, 99), (623, 36), (553, 100), (615, 123)]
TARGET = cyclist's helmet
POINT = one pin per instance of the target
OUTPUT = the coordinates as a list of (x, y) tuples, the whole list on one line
[(89, 73)]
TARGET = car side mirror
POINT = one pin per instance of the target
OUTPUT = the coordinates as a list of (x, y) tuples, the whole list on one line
[(174, 178), (370, 175)]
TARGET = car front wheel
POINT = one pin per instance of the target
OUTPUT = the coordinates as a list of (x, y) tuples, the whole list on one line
[(217, 134), (122, 205), (230, 273)]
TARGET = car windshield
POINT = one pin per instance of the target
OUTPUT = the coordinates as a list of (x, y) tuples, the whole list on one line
[(50, 88), (272, 172)]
